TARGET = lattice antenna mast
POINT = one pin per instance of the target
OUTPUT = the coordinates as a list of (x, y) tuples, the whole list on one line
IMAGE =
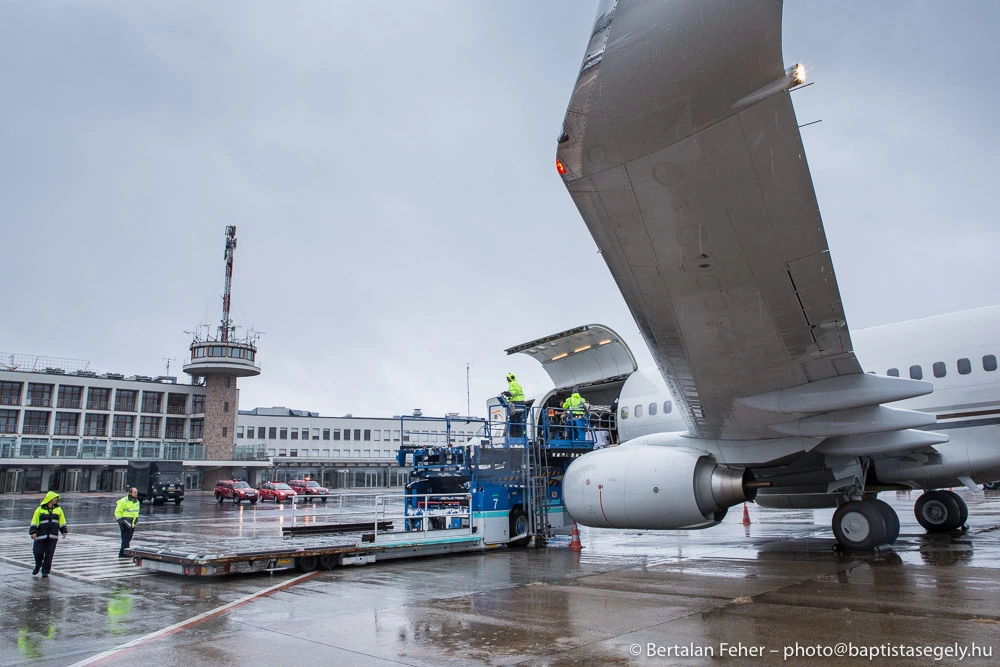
[(227, 323)]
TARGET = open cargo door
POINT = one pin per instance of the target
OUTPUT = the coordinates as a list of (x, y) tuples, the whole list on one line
[(585, 355)]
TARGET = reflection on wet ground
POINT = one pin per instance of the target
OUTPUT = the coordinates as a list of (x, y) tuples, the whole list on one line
[(774, 583)]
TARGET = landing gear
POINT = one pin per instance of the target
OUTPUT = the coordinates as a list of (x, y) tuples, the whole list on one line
[(941, 511), (862, 525)]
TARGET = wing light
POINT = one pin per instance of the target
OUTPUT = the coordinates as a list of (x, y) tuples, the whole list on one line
[(793, 76), (560, 167)]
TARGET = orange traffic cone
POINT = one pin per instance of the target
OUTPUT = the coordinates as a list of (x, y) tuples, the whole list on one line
[(746, 515), (574, 539)]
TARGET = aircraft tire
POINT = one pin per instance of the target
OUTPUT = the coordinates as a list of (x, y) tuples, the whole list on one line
[(938, 511), (891, 519), (860, 525), (962, 508)]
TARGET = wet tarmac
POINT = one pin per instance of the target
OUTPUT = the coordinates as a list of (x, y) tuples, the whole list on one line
[(776, 591)]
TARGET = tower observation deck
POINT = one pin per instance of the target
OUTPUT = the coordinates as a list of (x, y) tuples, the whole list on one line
[(220, 360)]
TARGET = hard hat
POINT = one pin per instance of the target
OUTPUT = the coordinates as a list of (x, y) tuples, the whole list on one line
[(576, 390)]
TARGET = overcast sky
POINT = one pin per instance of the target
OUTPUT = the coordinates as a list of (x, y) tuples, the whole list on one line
[(390, 170)]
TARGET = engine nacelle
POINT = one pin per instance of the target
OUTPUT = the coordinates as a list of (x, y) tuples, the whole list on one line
[(651, 487)]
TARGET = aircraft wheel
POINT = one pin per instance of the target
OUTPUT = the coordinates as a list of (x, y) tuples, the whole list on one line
[(860, 525), (518, 526), (306, 563), (963, 509), (938, 511), (891, 519), (327, 561)]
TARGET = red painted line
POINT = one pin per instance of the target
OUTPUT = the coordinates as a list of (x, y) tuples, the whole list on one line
[(145, 640)]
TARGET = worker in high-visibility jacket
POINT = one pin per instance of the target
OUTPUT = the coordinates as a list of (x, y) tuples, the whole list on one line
[(577, 411), (516, 409), (47, 523), (127, 515)]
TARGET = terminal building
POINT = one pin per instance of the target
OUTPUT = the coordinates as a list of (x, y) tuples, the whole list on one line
[(66, 428)]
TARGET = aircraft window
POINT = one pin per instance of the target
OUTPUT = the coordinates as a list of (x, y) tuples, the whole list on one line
[(667, 407), (624, 413), (652, 409), (964, 366), (894, 372), (939, 369), (638, 411), (916, 372), (989, 363)]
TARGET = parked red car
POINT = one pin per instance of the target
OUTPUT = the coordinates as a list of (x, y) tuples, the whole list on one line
[(276, 491), (308, 488), (236, 490)]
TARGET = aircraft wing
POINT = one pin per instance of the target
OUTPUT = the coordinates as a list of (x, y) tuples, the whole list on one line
[(682, 152)]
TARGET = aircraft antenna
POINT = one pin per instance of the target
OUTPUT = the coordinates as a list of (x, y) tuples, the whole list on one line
[(468, 387)]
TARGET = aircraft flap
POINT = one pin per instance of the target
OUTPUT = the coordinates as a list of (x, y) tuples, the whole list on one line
[(583, 355)]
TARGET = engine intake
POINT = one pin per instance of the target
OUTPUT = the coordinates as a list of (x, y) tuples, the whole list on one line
[(651, 487)]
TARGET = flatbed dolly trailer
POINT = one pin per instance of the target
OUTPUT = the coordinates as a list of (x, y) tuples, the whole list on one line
[(443, 525)]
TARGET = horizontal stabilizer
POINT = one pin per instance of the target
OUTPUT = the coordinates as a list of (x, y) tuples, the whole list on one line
[(838, 393), (869, 444), (868, 419)]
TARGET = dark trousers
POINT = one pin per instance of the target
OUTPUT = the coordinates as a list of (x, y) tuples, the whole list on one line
[(43, 551), (126, 531)]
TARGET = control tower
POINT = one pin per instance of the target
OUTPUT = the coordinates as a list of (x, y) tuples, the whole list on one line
[(221, 360)]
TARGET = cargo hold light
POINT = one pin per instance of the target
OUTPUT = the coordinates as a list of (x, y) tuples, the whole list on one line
[(794, 76), (604, 342), (560, 167), (581, 349), (560, 356)]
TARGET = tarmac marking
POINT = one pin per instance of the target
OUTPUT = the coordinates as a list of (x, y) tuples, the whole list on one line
[(194, 620), (85, 558)]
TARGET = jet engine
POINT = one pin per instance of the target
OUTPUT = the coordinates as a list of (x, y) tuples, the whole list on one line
[(643, 486)]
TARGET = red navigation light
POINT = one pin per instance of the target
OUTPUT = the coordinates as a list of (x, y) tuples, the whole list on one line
[(560, 167)]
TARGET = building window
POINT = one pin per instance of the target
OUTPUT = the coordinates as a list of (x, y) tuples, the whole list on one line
[(357, 434), (347, 434), (225, 406), (282, 452), (95, 425), (70, 397), (227, 383), (989, 363), (395, 435), (175, 428), (151, 401), (36, 422), (336, 434), (295, 433), (272, 432), (8, 421), (39, 395), (964, 366), (149, 427), (239, 431), (225, 430), (176, 404), (198, 404), (378, 435), (10, 393), (368, 434), (125, 400), (916, 373), (326, 434), (893, 372), (197, 429), (66, 423), (260, 432), (98, 398), (283, 433), (123, 427)]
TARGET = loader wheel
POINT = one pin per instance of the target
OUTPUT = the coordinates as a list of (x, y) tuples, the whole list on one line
[(306, 563), (518, 526)]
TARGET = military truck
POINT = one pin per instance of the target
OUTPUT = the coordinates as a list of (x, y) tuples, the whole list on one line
[(157, 481)]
